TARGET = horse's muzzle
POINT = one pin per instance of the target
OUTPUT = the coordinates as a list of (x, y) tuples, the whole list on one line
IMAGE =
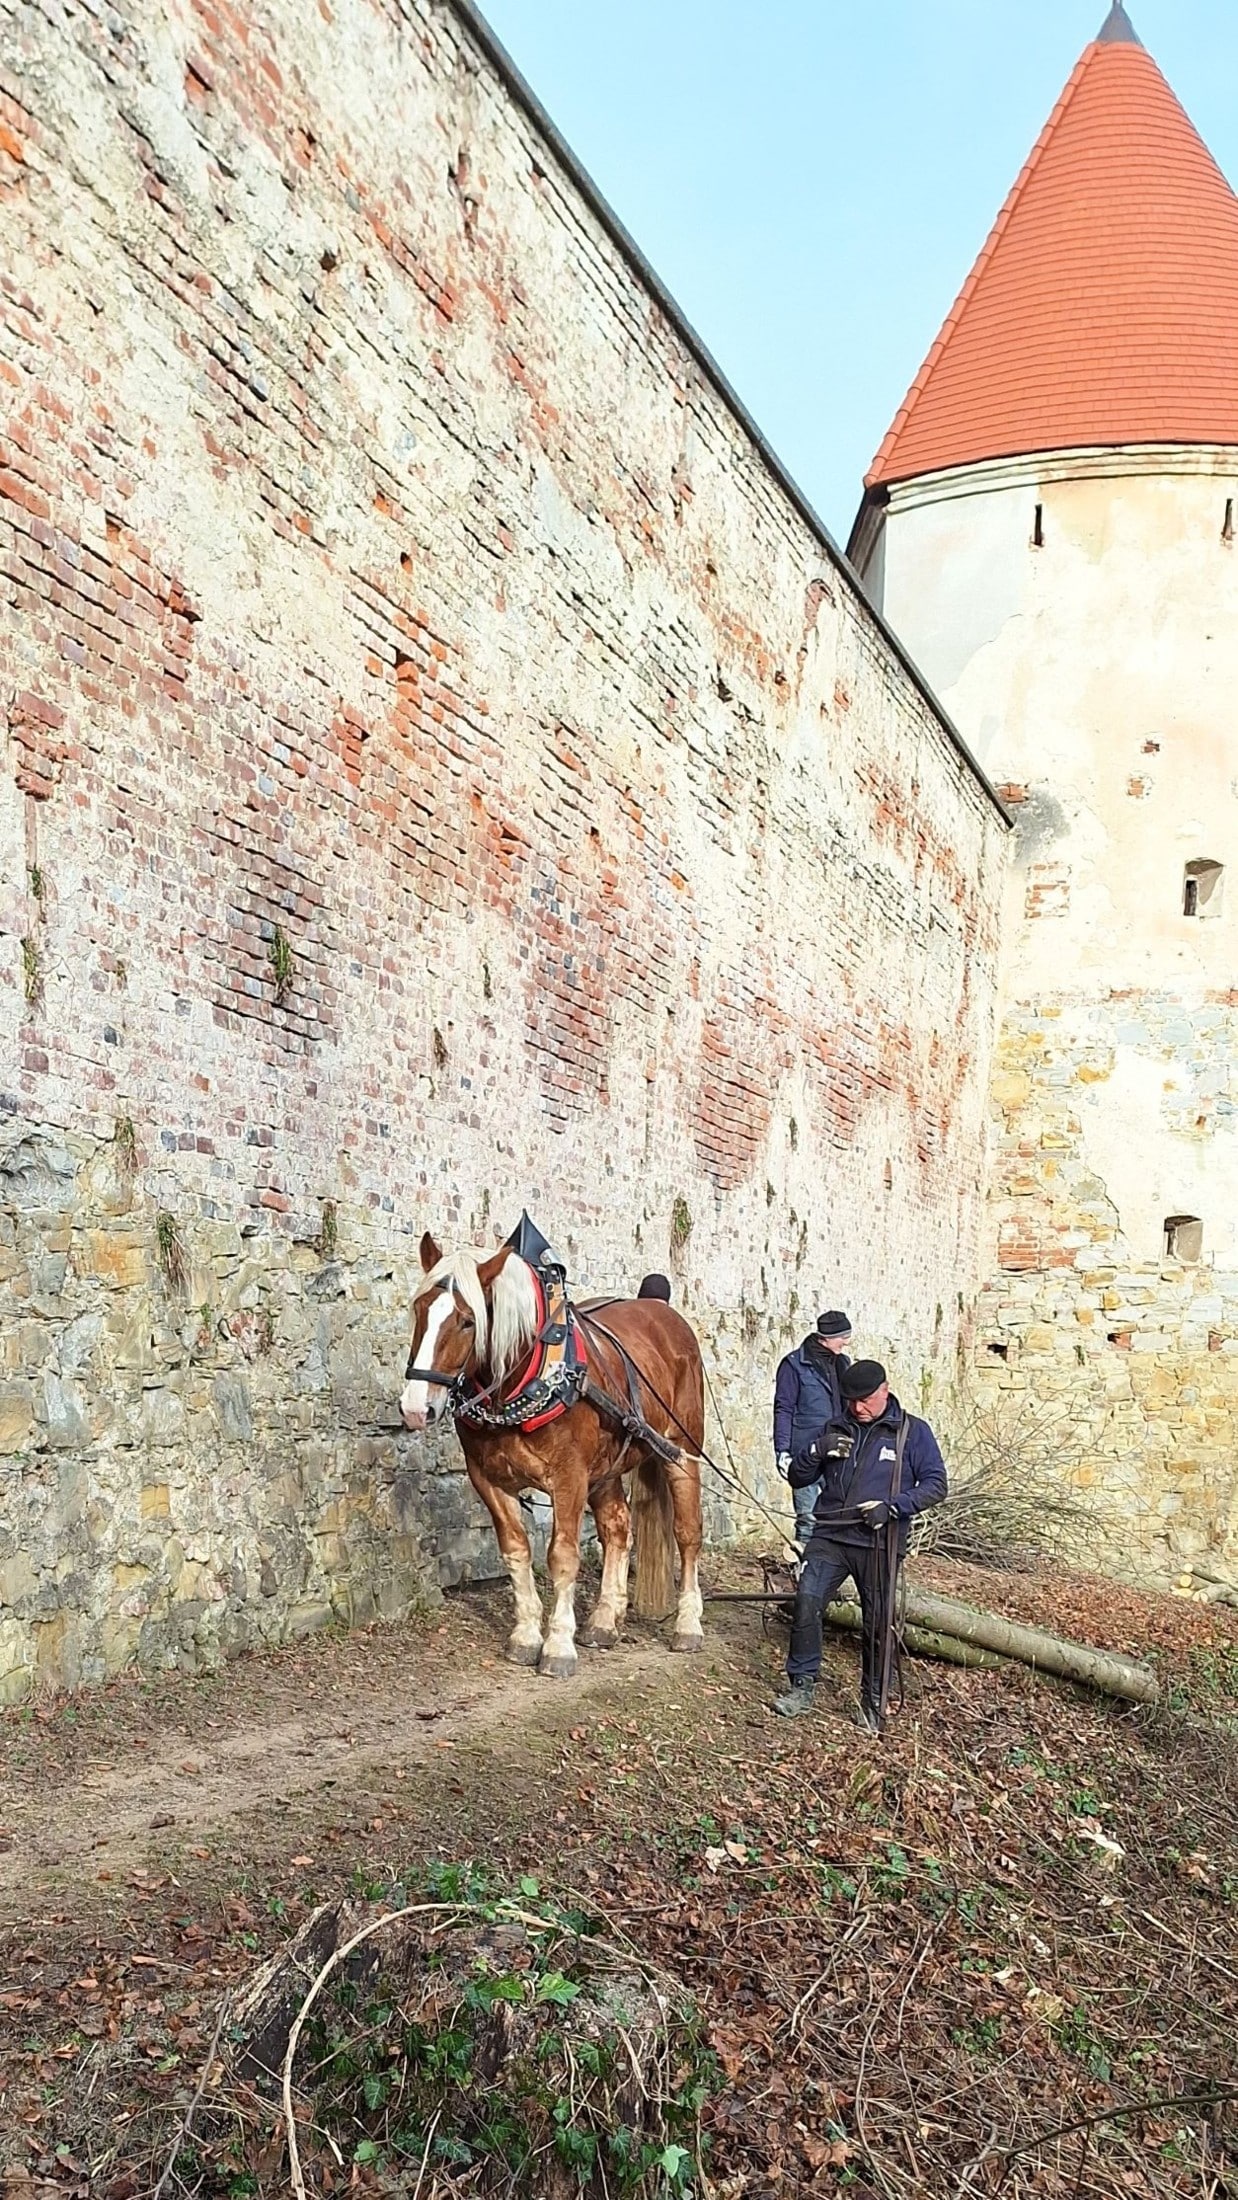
[(421, 1407), (418, 1412)]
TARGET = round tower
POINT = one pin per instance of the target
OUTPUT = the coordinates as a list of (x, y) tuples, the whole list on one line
[(1050, 527)]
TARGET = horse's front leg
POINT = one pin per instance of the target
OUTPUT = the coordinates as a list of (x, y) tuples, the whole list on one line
[(614, 1526), (563, 1558), (524, 1644)]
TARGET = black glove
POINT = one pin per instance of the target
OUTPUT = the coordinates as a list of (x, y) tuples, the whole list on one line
[(877, 1514), (823, 1457)]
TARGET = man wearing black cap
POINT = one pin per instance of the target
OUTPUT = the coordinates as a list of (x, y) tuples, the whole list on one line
[(806, 1400), (655, 1287), (876, 1467)]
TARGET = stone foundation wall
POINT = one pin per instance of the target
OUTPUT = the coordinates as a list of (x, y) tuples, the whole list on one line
[(443, 771), (1138, 1356)]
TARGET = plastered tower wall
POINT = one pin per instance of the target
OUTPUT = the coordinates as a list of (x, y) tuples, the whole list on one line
[(444, 770), (1077, 614)]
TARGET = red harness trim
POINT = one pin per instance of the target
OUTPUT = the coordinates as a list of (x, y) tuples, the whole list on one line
[(537, 1359), (553, 1413), (535, 1368)]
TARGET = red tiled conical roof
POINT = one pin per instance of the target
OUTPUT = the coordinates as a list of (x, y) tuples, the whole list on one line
[(1104, 307)]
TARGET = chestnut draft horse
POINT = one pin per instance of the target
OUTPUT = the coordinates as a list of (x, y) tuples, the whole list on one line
[(475, 1322)]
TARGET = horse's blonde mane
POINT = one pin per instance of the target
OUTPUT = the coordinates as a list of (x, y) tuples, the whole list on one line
[(504, 1329)]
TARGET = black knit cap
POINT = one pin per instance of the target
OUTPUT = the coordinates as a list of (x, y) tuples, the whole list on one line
[(654, 1287), (833, 1325), (861, 1379)]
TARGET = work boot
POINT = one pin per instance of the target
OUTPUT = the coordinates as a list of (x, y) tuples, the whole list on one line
[(867, 1720), (797, 1701)]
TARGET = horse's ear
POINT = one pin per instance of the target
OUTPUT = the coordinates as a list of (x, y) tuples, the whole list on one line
[(431, 1254), (487, 1270)]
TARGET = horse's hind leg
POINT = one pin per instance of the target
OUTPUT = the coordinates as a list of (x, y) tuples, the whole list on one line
[(614, 1526), (685, 1481), (524, 1644), (563, 1559)]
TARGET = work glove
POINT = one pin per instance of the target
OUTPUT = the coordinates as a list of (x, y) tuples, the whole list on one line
[(876, 1514), (783, 1464)]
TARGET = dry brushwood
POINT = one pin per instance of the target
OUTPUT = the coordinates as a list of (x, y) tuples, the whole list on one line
[(1012, 1501)]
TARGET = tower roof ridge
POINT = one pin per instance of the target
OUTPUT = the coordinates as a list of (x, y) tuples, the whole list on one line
[(1103, 307)]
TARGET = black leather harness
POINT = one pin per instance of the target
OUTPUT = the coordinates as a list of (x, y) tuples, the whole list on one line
[(557, 1378)]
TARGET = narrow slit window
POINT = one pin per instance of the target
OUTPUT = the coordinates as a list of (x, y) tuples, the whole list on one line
[(1038, 528), (1201, 888), (1184, 1237), (1227, 531)]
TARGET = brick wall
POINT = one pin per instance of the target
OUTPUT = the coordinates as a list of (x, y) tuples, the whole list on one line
[(443, 771)]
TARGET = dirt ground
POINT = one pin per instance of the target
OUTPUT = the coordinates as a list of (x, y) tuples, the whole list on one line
[(1030, 1894), (97, 1787)]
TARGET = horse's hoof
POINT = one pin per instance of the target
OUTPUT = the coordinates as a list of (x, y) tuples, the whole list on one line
[(558, 1668), (600, 1638), (688, 1642), (524, 1653)]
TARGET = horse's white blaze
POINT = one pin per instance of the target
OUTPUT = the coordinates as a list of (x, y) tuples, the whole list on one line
[(691, 1602), (416, 1404), (527, 1632)]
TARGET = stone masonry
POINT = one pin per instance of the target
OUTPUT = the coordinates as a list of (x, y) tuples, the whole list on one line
[(444, 770), (1138, 1357)]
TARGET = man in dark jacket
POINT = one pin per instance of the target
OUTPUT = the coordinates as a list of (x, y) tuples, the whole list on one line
[(806, 1400), (876, 1468)]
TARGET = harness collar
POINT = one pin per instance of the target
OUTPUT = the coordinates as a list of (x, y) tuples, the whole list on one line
[(551, 1381)]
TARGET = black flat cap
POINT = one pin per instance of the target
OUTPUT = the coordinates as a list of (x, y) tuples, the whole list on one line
[(862, 1378)]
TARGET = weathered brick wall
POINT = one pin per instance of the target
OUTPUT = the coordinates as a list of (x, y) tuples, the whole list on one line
[(443, 772)]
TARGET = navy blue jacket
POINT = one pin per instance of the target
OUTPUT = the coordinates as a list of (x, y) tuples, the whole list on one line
[(865, 1476), (806, 1395)]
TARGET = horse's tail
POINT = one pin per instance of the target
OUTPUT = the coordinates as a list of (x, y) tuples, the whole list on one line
[(653, 1538)]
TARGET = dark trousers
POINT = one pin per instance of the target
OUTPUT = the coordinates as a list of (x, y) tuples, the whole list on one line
[(821, 1578)]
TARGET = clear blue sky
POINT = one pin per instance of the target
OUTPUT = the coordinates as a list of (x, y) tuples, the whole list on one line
[(813, 178)]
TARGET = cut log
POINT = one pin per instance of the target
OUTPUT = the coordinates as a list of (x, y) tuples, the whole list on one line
[(964, 1627), (922, 1643), (1071, 1661)]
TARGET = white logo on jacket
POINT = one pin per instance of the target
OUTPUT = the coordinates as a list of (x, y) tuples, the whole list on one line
[(887, 1452)]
